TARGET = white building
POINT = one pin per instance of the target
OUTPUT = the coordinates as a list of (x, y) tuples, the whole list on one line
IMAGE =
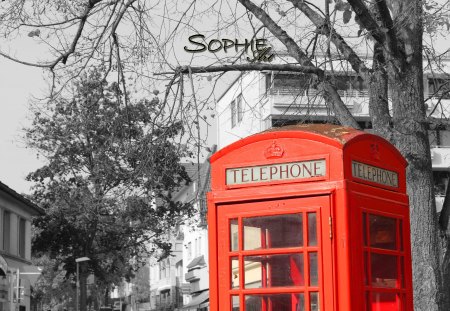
[(256, 101), (195, 244), (17, 273)]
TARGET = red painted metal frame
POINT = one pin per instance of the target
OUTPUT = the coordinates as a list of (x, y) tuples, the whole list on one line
[(348, 197)]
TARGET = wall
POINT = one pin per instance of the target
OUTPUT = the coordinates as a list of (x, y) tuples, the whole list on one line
[(250, 85)]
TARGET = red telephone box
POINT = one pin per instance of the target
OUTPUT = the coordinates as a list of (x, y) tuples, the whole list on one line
[(309, 217)]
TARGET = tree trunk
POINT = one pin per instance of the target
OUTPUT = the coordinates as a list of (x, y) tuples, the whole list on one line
[(378, 100), (410, 135), (411, 138)]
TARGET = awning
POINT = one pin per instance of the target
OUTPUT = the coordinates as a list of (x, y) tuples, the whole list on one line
[(163, 288), (197, 300), (26, 271), (3, 266), (197, 261)]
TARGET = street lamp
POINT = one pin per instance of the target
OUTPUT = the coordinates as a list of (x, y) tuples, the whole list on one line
[(78, 260)]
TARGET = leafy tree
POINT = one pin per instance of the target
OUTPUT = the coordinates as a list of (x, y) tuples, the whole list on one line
[(107, 165)]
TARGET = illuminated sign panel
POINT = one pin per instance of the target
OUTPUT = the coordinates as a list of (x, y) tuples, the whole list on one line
[(374, 174), (276, 172)]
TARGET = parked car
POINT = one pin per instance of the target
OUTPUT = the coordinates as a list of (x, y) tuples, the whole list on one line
[(105, 308)]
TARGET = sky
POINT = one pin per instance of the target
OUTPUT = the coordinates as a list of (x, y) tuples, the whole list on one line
[(18, 84)]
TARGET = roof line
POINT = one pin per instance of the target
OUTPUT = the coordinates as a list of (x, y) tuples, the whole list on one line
[(21, 198), (229, 86)]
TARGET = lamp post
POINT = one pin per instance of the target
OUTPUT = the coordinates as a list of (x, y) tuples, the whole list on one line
[(78, 260)]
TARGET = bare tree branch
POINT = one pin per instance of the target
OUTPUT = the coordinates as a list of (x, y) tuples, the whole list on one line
[(248, 67), (388, 24), (367, 20), (341, 111), (320, 22)]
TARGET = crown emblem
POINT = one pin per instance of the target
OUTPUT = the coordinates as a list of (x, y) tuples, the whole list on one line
[(375, 151), (274, 151)]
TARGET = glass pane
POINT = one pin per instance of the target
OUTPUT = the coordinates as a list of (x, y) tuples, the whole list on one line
[(273, 231), (234, 303), (314, 301), (312, 229), (384, 270), (384, 302), (313, 272), (401, 234), (276, 302), (234, 235), (234, 272), (367, 302), (274, 271), (382, 232), (300, 304), (402, 272), (364, 228), (366, 270)]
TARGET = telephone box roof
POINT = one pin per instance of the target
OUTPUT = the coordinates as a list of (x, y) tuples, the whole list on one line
[(330, 134)]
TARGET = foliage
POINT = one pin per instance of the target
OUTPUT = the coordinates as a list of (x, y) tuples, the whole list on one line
[(52, 287), (108, 165)]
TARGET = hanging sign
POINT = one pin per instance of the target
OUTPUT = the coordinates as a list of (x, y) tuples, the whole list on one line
[(276, 172), (374, 174)]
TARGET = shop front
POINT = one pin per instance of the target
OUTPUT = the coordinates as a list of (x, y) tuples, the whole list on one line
[(16, 279)]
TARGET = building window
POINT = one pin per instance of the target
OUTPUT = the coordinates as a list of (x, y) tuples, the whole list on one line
[(239, 108), (162, 269), (22, 224), (233, 114), (440, 182), (196, 247), (6, 230), (189, 250), (439, 88)]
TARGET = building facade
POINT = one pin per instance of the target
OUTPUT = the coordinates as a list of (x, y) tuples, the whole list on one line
[(17, 273), (257, 101), (165, 277), (195, 244)]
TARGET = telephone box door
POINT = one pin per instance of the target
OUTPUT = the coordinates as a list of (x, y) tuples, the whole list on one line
[(277, 255)]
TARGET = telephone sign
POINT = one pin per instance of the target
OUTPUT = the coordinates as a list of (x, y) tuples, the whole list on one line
[(276, 172)]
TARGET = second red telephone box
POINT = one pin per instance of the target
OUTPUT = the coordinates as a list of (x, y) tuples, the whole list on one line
[(309, 217)]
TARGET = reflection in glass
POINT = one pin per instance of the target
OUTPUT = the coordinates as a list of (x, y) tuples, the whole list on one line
[(382, 232), (278, 302), (313, 271), (234, 235), (234, 303), (274, 270), (367, 302), (402, 272), (384, 301), (364, 229), (384, 270), (366, 270), (234, 272), (401, 234), (273, 231), (314, 301), (312, 229), (300, 304)]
